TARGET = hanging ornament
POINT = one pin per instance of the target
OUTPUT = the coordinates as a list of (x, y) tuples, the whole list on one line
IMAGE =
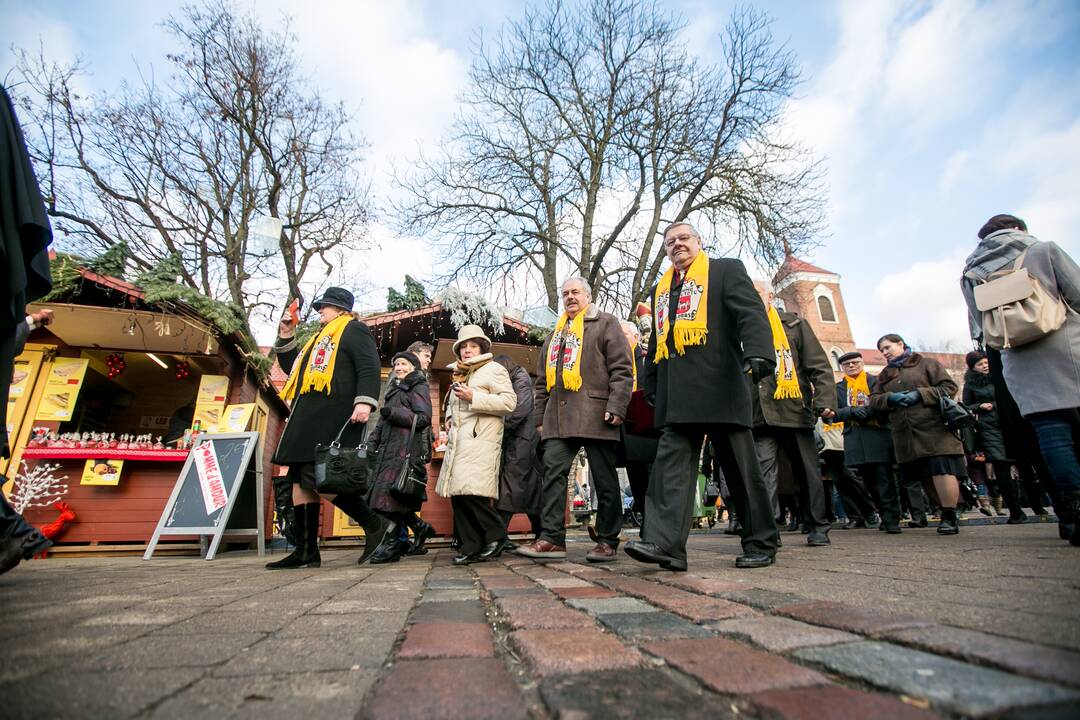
[(183, 369), (115, 364)]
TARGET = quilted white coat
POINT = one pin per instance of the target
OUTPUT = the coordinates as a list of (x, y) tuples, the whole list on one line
[(471, 462)]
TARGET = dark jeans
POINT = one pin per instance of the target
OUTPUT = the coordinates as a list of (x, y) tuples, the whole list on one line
[(880, 476), (798, 444), (475, 522), (1057, 431), (911, 478), (673, 486), (559, 454)]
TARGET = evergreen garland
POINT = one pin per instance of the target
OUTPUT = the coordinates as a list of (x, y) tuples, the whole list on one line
[(65, 277), (413, 298)]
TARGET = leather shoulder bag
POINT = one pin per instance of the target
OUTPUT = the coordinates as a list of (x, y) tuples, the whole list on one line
[(343, 470)]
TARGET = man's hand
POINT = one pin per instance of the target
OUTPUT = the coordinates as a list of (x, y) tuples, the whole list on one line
[(987, 406), (360, 413), (41, 318), (828, 414), (612, 419), (539, 429), (758, 369), (463, 392), (286, 328)]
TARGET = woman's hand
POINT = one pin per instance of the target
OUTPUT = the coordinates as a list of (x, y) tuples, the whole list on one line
[(987, 406), (463, 392), (360, 414), (286, 328)]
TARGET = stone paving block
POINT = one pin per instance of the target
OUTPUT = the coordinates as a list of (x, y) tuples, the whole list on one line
[(781, 634), (526, 612), (578, 650), (450, 595), (705, 585), (852, 618), (327, 625), (571, 567), (146, 618), (232, 622), (694, 606), (654, 625), (446, 640), (476, 688), (563, 582), (949, 684), (762, 599), (533, 590), (451, 583), (611, 605), (1061, 711), (733, 668), (281, 655), (190, 650), (507, 582), (346, 604), (454, 611), (1017, 656), (268, 697), (91, 694), (591, 591), (629, 695), (831, 702)]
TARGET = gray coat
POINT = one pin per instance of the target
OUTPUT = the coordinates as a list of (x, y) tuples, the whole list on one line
[(867, 437), (1043, 375)]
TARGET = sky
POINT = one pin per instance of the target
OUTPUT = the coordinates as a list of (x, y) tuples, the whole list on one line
[(929, 116)]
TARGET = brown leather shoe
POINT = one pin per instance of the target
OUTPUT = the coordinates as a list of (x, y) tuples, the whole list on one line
[(601, 553), (542, 550)]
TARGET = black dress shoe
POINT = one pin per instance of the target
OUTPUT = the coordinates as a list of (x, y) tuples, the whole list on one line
[(674, 565), (466, 559), (818, 538), (754, 560), (490, 551), (647, 552)]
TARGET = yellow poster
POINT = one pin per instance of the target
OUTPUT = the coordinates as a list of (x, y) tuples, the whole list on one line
[(208, 416), (213, 389), (236, 418), (102, 472), (62, 389), (19, 379)]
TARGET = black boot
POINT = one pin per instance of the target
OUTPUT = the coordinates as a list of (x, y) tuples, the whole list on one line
[(1072, 499), (375, 525), (422, 532), (1012, 501), (286, 513), (389, 549), (306, 553), (949, 524)]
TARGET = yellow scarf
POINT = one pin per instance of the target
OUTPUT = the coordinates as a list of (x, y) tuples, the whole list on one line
[(858, 390), (692, 313), (567, 345), (633, 362), (787, 382), (317, 360)]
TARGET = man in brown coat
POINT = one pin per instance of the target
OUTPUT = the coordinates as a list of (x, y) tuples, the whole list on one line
[(582, 392)]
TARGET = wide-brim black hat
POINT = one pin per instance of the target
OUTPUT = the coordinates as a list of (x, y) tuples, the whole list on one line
[(849, 356), (338, 297)]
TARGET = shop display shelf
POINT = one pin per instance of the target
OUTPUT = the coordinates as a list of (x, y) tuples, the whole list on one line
[(51, 453)]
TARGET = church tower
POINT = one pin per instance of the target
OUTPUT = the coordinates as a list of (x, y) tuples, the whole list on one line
[(814, 295)]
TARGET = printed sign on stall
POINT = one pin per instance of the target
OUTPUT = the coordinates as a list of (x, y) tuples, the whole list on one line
[(62, 389), (236, 418), (102, 472), (213, 390), (211, 481)]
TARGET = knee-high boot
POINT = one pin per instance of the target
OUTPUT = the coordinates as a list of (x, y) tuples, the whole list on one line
[(375, 525), (422, 532), (306, 553)]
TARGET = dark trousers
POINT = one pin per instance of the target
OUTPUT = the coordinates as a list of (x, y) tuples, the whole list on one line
[(638, 474), (858, 503), (911, 478), (1057, 431), (559, 454), (798, 444), (673, 487), (880, 476), (476, 523)]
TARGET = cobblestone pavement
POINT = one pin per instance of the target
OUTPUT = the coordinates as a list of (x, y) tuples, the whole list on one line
[(985, 624)]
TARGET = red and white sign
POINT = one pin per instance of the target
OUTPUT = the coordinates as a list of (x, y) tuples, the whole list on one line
[(213, 484)]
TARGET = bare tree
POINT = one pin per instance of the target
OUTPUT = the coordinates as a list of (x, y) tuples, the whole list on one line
[(189, 168), (587, 129)]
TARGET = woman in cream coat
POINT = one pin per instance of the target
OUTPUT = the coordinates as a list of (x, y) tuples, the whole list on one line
[(481, 395)]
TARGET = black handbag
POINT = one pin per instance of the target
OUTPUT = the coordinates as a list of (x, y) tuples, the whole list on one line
[(955, 416), (406, 487), (343, 470)]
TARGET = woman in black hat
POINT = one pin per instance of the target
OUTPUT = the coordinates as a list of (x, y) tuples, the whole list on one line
[(408, 397), (333, 380)]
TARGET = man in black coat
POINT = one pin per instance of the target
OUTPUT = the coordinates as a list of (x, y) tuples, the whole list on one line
[(867, 439), (786, 424), (700, 391)]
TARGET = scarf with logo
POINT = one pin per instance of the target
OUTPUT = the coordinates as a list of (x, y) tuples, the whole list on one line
[(317, 360), (858, 390), (691, 316), (787, 382), (566, 344)]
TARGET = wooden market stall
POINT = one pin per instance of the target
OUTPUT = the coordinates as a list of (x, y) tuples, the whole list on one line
[(113, 367)]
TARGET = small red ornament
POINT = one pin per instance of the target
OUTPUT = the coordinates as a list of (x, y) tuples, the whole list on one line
[(183, 370), (115, 364)]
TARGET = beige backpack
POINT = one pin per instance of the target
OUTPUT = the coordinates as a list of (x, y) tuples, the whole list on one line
[(1016, 308)]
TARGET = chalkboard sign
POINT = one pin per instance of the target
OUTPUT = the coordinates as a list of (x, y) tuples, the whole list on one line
[(218, 478)]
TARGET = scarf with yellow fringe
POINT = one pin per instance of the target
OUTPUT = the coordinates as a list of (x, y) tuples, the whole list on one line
[(566, 344), (691, 315), (317, 360), (858, 390), (633, 362), (787, 382)]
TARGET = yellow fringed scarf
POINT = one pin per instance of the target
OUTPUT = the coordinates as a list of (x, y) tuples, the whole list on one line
[(858, 390), (787, 382), (633, 362), (567, 345), (317, 360), (692, 313)]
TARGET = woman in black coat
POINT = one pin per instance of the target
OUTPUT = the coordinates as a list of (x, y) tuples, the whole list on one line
[(979, 397), (333, 382), (519, 487), (408, 397)]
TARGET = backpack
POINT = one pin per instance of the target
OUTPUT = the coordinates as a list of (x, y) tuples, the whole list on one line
[(1016, 308)]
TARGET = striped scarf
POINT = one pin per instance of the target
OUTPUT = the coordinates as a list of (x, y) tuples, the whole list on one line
[(787, 381), (692, 313)]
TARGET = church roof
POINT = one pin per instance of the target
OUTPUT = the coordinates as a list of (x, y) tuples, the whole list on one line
[(792, 265)]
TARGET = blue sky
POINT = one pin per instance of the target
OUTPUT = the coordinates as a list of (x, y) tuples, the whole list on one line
[(931, 116)]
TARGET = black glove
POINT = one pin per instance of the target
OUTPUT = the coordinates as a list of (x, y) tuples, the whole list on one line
[(650, 400), (384, 412), (758, 368), (862, 414)]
